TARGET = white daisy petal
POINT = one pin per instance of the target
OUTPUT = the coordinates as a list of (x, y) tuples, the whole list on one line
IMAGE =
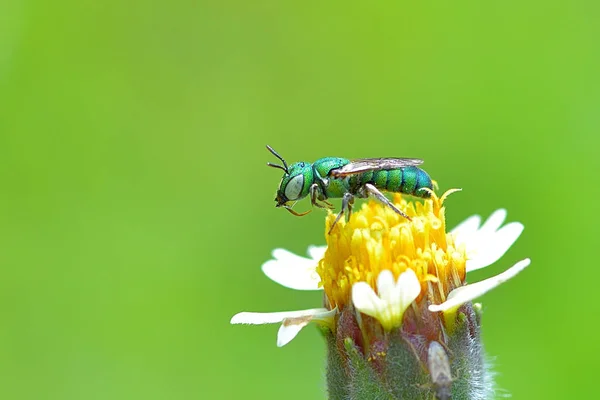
[(391, 300), (493, 248), (292, 271), (292, 321), (256, 318), (288, 332), (291, 326), (485, 245), (295, 277), (286, 256), (466, 229), (406, 290), (386, 287), (365, 299), (317, 252), (464, 294), (493, 222), (409, 288)]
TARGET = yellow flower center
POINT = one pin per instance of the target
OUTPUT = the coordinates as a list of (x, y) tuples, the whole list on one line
[(376, 238)]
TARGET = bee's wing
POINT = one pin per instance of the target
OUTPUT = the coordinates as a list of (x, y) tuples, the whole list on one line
[(374, 164)]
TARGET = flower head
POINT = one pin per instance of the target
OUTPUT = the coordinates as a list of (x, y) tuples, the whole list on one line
[(395, 293), (379, 241)]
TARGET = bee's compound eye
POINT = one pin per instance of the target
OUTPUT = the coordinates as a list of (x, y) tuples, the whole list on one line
[(294, 187)]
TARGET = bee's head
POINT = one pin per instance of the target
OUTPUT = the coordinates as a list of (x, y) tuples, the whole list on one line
[(295, 183)]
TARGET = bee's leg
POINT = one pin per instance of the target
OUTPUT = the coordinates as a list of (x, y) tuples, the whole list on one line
[(347, 202), (348, 205), (316, 194), (372, 190), (324, 201)]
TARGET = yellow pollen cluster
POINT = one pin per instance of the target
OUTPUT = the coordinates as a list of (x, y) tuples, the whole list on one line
[(376, 238)]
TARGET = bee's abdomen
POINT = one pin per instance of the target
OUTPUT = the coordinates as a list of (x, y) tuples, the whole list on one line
[(409, 180), (413, 180)]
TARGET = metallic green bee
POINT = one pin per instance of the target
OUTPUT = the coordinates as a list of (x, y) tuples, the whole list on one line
[(334, 177)]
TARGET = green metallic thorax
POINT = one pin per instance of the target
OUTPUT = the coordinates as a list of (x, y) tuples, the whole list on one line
[(331, 187)]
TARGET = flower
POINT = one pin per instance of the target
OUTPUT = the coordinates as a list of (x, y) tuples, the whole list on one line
[(398, 316), (469, 246)]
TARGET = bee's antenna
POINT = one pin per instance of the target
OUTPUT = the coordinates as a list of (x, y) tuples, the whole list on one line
[(277, 166), (285, 166)]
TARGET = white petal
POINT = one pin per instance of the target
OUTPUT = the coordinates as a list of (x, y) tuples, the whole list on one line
[(392, 300), (288, 332), (487, 244), (464, 294), (409, 288), (256, 318), (386, 286), (466, 228), (292, 271), (316, 252), (406, 290), (492, 247), (365, 300), (493, 222), (291, 326), (287, 257)]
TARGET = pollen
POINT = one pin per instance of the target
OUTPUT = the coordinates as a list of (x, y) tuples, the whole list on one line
[(376, 238)]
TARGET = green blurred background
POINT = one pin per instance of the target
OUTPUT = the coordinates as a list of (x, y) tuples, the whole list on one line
[(136, 207)]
